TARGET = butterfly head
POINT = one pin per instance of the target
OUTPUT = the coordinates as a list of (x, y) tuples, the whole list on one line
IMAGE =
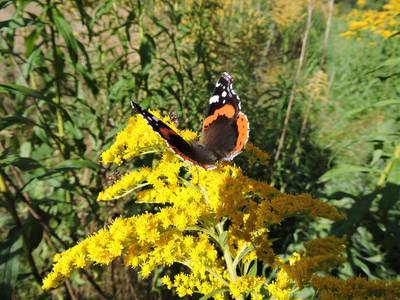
[(223, 91)]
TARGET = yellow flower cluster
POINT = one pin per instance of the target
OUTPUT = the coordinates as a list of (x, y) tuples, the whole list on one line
[(285, 13), (361, 3), (214, 222), (137, 139), (321, 255), (385, 22), (102, 248), (244, 285), (331, 288), (317, 86), (281, 288), (257, 155)]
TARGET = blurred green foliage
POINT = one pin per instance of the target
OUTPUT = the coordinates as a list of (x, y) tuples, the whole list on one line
[(69, 70)]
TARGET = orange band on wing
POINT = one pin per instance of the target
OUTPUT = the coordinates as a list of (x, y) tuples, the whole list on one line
[(243, 132), (166, 132), (226, 110)]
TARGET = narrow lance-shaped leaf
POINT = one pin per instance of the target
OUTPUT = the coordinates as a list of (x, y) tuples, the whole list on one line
[(66, 32)]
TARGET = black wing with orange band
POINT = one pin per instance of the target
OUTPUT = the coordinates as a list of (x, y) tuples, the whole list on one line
[(175, 142), (226, 128)]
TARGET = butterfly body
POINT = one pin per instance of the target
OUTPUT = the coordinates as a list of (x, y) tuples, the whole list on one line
[(225, 129)]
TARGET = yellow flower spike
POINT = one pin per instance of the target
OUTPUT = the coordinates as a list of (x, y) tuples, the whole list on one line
[(185, 225), (166, 280), (330, 287), (138, 137), (257, 154), (383, 22), (245, 284), (124, 185), (281, 288), (99, 248)]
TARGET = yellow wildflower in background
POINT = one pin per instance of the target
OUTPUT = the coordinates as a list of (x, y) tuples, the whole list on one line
[(385, 22), (361, 3), (330, 287), (285, 13), (281, 288), (321, 255), (257, 154), (213, 222)]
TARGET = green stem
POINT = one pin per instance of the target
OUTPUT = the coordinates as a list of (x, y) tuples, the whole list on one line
[(246, 249), (60, 120), (130, 191), (227, 253), (389, 166), (3, 187), (10, 201)]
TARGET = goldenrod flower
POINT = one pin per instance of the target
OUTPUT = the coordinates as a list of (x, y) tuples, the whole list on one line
[(257, 154), (246, 285), (285, 12), (321, 255), (330, 287), (213, 222), (384, 23), (361, 3)]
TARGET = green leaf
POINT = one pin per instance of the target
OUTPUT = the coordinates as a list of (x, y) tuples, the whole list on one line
[(25, 149), (359, 263), (34, 231), (390, 62), (223, 237), (5, 3), (31, 39), (241, 254), (85, 17), (344, 169), (23, 163), (103, 9), (253, 269), (41, 134), (66, 32), (383, 103), (24, 91), (129, 23), (10, 251), (390, 196), (146, 50), (394, 175), (357, 213), (77, 164), (14, 120)]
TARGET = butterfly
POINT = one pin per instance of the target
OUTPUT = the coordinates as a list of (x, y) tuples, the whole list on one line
[(225, 128)]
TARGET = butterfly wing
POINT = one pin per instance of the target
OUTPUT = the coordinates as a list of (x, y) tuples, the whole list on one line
[(187, 151), (225, 129)]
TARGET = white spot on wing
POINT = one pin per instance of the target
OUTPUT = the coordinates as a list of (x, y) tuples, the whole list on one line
[(223, 94), (214, 99)]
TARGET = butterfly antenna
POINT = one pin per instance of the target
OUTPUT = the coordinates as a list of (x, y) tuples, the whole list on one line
[(136, 107)]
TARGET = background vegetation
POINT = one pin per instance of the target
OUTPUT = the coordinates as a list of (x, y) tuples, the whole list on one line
[(322, 101)]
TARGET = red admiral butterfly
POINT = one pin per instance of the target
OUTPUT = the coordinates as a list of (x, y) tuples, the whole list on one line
[(225, 129)]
